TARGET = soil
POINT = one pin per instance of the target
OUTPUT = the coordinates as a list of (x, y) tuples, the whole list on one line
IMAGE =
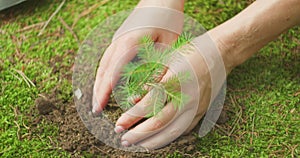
[(75, 138)]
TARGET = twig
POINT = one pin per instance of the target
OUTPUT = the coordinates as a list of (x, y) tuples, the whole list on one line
[(100, 149), (253, 125), (25, 126), (15, 76), (17, 44), (41, 95), (16, 113), (270, 144), (51, 141), (293, 150), (25, 135), (220, 128), (184, 154), (53, 14), (88, 11), (238, 117), (20, 73), (26, 28), (18, 131), (296, 94), (69, 28), (195, 154)]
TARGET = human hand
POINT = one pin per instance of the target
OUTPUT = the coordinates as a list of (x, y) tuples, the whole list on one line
[(202, 61), (144, 21)]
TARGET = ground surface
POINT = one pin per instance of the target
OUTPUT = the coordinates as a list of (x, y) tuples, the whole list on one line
[(39, 119)]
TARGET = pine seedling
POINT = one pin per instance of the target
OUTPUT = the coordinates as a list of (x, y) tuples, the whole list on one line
[(142, 76)]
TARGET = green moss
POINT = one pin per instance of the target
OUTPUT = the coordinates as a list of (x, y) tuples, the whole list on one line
[(263, 89)]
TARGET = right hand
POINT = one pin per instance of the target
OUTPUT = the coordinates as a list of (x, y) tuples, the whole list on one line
[(203, 62)]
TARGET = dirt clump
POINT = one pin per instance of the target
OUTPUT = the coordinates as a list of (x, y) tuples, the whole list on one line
[(44, 106)]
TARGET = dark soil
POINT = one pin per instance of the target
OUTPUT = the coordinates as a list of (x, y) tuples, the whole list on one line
[(75, 138)]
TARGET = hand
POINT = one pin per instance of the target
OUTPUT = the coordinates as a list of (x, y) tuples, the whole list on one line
[(125, 40), (172, 122)]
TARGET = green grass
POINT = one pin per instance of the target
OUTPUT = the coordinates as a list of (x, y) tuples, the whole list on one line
[(263, 107)]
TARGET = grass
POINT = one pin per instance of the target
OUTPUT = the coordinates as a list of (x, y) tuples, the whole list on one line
[(262, 98)]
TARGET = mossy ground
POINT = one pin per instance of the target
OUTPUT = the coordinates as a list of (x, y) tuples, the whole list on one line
[(262, 100)]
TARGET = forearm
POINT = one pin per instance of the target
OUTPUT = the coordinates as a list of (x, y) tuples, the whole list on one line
[(250, 30), (173, 4)]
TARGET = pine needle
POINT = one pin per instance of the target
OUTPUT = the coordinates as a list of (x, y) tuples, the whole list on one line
[(25, 78), (51, 17), (88, 11), (26, 28), (69, 28), (15, 76)]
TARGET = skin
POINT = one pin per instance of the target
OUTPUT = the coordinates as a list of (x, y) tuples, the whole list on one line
[(237, 40)]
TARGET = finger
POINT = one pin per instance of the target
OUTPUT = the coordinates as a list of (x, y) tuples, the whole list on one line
[(152, 102), (149, 127), (108, 72), (120, 53), (194, 123), (170, 133), (160, 74), (134, 99), (143, 107), (98, 104), (203, 105), (133, 115), (168, 38)]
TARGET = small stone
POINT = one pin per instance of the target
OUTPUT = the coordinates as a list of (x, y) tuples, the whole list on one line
[(78, 93)]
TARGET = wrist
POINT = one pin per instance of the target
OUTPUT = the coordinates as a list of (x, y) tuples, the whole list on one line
[(225, 49), (243, 35)]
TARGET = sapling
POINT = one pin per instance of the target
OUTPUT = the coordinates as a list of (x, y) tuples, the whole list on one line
[(143, 74)]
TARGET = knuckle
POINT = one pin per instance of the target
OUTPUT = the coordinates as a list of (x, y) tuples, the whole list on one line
[(157, 124), (169, 111), (175, 132)]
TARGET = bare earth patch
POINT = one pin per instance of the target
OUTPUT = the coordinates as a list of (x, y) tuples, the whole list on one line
[(76, 139)]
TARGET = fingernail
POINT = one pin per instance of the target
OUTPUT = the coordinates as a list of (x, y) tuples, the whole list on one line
[(95, 110), (119, 129), (125, 143), (95, 105)]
